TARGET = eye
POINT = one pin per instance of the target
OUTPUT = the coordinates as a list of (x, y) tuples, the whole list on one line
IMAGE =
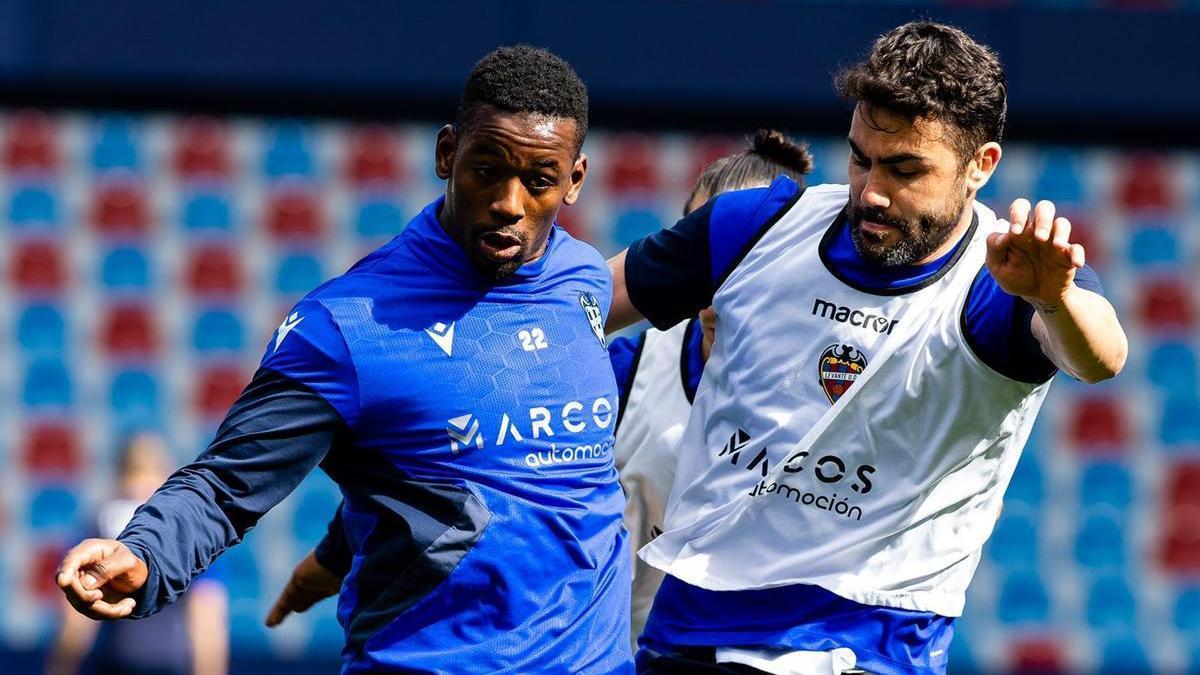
[(859, 161), (905, 174), (483, 171), (540, 183)]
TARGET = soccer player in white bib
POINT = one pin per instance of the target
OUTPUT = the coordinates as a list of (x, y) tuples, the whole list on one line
[(658, 371), (882, 352)]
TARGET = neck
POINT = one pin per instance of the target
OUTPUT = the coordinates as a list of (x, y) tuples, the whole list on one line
[(964, 222)]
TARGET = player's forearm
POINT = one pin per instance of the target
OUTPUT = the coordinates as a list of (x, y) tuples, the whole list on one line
[(1082, 335), (622, 313)]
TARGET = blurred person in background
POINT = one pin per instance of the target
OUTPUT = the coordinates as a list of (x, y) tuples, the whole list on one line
[(882, 351), (189, 637), (456, 386), (657, 373)]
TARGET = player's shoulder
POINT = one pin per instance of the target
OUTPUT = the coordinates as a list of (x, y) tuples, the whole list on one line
[(571, 258), (755, 204)]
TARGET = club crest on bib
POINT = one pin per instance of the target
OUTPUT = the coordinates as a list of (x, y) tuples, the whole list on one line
[(591, 308), (838, 368)]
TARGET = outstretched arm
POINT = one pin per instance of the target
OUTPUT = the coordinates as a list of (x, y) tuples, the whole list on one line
[(1078, 330), (622, 313)]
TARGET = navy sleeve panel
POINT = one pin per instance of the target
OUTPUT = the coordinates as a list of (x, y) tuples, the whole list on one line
[(274, 435), (309, 348), (997, 327), (333, 551), (625, 354), (672, 274)]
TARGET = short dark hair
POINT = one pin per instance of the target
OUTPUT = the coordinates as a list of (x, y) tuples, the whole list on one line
[(525, 79), (771, 153), (933, 71)]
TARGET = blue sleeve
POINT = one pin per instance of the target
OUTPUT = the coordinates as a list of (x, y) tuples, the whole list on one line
[(672, 274), (333, 551), (281, 427), (624, 353), (997, 327)]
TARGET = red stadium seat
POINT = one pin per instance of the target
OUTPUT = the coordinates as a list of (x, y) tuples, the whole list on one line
[(570, 218), (1183, 486), (43, 563), (1042, 656), (372, 159), (129, 331), (38, 266), (119, 208), (203, 149), (1098, 423), (1145, 184), (214, 270), (294, 214), (709, 149), (51, 449), (633, 162), (1181, 541), (30, 142), (217, 388), (1166, 304)]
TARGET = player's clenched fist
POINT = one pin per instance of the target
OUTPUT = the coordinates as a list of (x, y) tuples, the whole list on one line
[(98, 576), (1035, 259)]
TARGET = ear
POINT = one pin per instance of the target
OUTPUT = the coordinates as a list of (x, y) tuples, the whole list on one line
[(578, 173), (983, 165), (443, 152)]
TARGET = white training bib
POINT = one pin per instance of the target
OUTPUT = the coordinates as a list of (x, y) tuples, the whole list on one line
[(843, 438)]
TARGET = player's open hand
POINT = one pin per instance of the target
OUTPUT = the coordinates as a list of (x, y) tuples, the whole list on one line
[(1035, 259), (311, 582), (98, 576)]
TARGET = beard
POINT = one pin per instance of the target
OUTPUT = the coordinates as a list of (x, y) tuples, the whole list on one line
[(918, 237)]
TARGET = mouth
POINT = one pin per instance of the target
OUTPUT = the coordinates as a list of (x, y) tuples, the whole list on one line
[(876, 229), (500, 247)]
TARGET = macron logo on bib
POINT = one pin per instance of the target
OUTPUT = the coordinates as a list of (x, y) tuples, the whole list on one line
[(286, 327)]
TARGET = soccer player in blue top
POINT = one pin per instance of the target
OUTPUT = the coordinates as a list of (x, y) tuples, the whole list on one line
[(456, 386)]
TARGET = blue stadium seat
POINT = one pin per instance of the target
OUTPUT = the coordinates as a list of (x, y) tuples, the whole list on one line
[(635, 223), (217, 330), (53, 508), (207, 211), (317, 505), (1171, 367), (33, 206), (116, 144), (1027, 486), (251, 640), (1100, 543), (1180, 422), (1106, 484), (1111, 605), (287, 152), (42, 329), (298, 274), (1154, 246), (47, 383), (125, 267), (1014, 542), (378, 219), (240, 572), (1186, 614), (1023, 600), (1123, 656), (1059, 178), (134, 398)]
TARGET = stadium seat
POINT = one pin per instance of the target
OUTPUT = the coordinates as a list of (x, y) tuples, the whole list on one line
[(1154, 246), (1144, 184), (207, 211), (1166, 304), (42, 330), (1106, 484), (129, 330), (633, 165), (317, 505), (125, 268), (1123, 656), (30, 145), (1111, 605), (1171, 367), (708, 149), (294, 214), (1035, 656), (1023, 600), (372, 159), (33, 206), (1179, 425), (1014, 542), (379, 218), (572, 220), (42, 565), (240, 572), (1180, 552), (1027, 485), (51, 449), (1098, 422), (38, 267), (213, 270), (116, 144), (1059, 178), (635, 223), (1186, 613), (52, 508), (298, 274), (119, 208), (287, 151), (202, 152), (217, 388), (134, 399), (1183, 484), (47, 384), (217, 330), (1100, 543)]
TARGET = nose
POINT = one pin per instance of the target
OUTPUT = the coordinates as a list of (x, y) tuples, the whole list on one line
[(508, 205), (873, 194)]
